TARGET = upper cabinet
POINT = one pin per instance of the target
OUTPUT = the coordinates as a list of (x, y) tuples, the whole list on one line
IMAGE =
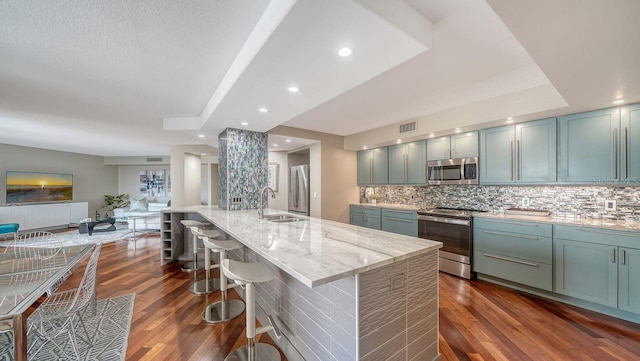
[(590, 147), (407, 164), (523, 153), (630, 132), (373, 166), (454, 146)]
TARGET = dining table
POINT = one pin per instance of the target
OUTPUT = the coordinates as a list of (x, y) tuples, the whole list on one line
[(26, 275)]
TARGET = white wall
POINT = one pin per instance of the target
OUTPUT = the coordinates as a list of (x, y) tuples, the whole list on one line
[(281, 200), (92, 179), (192, 179)]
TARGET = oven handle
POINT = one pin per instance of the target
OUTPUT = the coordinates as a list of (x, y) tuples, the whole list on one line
[(461, 222)]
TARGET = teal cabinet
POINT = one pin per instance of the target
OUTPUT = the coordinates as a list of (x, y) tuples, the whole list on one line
[(587, 271), (589, 147), (439, 148), (400, 221), (497, 155), (520, 252), (630, 157), (523, 153), (368, 217), (536, 151), (454, 146), (373, 166), (629, 280), (598, 265), (464, 145), (407, 163)]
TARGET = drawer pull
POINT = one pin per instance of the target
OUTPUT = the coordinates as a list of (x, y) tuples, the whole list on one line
[(399, 219), (511, 260), (507, 222), (592, 230), (512, 235)]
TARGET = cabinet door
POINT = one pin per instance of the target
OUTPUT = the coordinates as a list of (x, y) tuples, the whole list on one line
[(380, 166), (497, 155), (356, 218), (397, 164), (588, 146), (439, 148), (364, 166), (371, 221), (536, 151), (416, 162), (631, 142), (464, 145), (587, 271), (629, 284)]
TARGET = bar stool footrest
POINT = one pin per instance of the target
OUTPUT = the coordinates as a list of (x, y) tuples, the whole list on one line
[(203, 287)]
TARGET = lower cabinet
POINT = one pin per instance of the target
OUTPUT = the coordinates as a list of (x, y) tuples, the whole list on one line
[(599, 266), (368, 217), (520, 252), (400, 221)]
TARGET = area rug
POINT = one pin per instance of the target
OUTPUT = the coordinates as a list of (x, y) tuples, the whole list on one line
[(73, 237), (108, 330)]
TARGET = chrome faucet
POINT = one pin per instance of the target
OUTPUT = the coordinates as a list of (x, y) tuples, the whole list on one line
[(273, 195)]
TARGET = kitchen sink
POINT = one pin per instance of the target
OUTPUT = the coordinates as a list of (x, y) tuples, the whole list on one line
[(282, 218)]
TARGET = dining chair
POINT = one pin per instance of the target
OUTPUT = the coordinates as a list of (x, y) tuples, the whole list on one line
[(57, 314)]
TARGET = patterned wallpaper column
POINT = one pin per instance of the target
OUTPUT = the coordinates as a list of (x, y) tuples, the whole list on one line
[(243, 161)]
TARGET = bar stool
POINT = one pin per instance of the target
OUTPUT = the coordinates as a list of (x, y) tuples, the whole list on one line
[(188, 224), (206, 285), (225, 309), (247, 274)]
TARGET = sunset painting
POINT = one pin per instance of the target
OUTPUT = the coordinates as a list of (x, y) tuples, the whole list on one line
[(24, 187)]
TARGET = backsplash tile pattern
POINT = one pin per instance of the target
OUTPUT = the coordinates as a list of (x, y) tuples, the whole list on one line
[(243, 158), (560, 200)]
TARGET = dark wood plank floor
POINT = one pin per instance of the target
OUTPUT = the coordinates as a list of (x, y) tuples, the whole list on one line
[(478, 320)]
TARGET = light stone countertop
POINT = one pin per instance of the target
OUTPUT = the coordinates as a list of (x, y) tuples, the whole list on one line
[(315, 251), (582, 222), (410, 207)]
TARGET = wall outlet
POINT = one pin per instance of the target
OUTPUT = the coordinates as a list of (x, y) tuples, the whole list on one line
[(610, 205), (315, 195), (525, 202)]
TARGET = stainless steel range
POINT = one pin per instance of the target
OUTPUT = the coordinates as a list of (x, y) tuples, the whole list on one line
[(454, 228)]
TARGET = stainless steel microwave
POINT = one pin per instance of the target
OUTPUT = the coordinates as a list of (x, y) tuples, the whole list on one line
[(453, 171)]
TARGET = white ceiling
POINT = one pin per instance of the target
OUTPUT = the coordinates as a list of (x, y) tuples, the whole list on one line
[(120, 78)]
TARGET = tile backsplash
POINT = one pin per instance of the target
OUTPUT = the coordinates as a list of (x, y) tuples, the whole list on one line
[(567, 200)]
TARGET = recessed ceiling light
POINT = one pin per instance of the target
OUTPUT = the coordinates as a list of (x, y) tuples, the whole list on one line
[(344, 52), (203, 153), (458, 130), (263, 110), (288, 140), (244, 124), (293, 89), (469, 134), (200, 135), (275, 144), (431, 135), (509, 120), (399, 141), (618, 101), (364, 147)]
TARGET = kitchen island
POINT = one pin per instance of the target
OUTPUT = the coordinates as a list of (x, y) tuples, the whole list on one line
[(342, 292)]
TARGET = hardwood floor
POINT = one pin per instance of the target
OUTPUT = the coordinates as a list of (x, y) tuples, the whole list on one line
[(478, 320)]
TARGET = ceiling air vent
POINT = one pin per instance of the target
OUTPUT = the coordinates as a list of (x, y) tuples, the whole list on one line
[(408, 127), (156, 159)]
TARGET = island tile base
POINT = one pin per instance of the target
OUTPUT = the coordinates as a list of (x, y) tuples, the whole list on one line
[(388, 313)]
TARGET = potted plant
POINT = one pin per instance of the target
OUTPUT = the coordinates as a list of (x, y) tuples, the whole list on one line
[(112, 202), (373, 198)]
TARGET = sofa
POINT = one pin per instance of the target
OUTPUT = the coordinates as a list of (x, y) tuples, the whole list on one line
[(147, 207)]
